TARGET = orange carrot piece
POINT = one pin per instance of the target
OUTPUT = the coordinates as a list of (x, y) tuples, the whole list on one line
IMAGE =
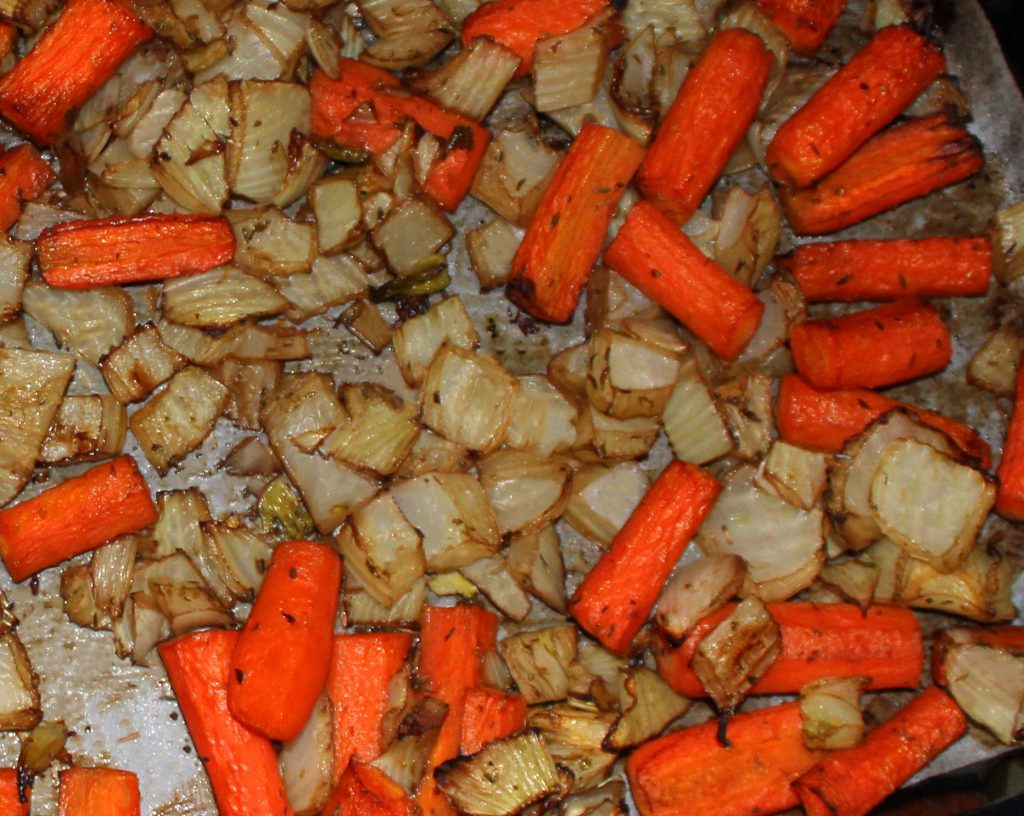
[(898, 165), (24, 176), (617, 595), (818, 640), (78, 515), (1010, 638), (692, 767), (862, 97), (806, 23), (83, 254), (567, 232), (282, 659), (826, 420), (98, 792), (490, 714), (850, 782), (71, 61), (872, 349), (361, 667), (1010, 500), (367, 791), (14, 799), (653, 254), (519, 24), (888, 270), (708, 119), (241, 765), (8, 37)]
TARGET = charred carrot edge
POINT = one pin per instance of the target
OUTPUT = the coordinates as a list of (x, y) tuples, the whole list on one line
[(850, 782), (709, 117), (861, 98), (24, 176), (653, 254), (874, 348), (98, 792), (1010, 638), (281, 662), (567, 232), (806, 25), (361, 667), (617, 595), (365, 790), (75, 516), (490, 714), (8, 37), (358, 84), (896, 166), (888, 270), (453, 642), (14, 799), (765, 754), (241, 765), (519, 24), (1010, 500), (83, 254), (826, 420), (71, 61), (818, 640)]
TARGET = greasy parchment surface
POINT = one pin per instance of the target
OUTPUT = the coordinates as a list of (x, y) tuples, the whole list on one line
[(126, 716)]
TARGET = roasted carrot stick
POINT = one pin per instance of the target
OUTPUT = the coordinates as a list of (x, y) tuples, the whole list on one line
[(692, 768), (75, 516), (899, 164), (872, 349), (709, 117), (362, 665), (24, 176), (656, 257), (806, 23), (11, 801), (850, 782), (281, 662), (98, 792), (241, 764), (489, 715), (83, 254), (367, 791), (1010, 638), (519, 24), (337, 115), (1010, 501), (617, 595), (827, 420), (567, 232), (818, 640), (889, 270), (75, 56), (862, 97)]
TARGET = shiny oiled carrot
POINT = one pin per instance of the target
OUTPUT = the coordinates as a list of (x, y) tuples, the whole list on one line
[(24, 176), (104, 251), (818, 640), (366, 791), (709, 117), (806, 23), (874, 348), (568, 229), (362, 666), (1010, 500), (852, 781), (653, 254), (14, 798), (617, 595), (74, 517), (695, 771), (896, 166), (490, 714), (281, 662), (70, 62), (863, 96), (241, 764), (98, 792)]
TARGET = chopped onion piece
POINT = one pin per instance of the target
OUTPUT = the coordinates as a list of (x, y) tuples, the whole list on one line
[(853, 580), (494, 579), (491, 250), (649, 705), (607, 800), (543, 421), (1008, 242), (574, 733), (20, 707), (85, 428), (680, 15), (338, 211), (797, 475), (378, 432), (280, 28), (307, 762), (750, 226), (567, 371), (219, 298), (148, 627), (994, 366), (76, 590), (267, 243), (988, 684), (432, 453), (410, 32), (418, 340), (603, 498), (331, 282), (87, 322), (473, 80), (832, 713), (112, 569), (567, 69), (411, 233), (15, 260), (535, 561), (365, 321), (539, 661), (697, 590), (527, 492), (600, 436), (249, 382), (628, 377), (746, 404), (239, 555), (514, 174), (693, 420)]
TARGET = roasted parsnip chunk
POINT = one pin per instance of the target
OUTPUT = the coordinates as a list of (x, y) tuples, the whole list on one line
[(994, 365)]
